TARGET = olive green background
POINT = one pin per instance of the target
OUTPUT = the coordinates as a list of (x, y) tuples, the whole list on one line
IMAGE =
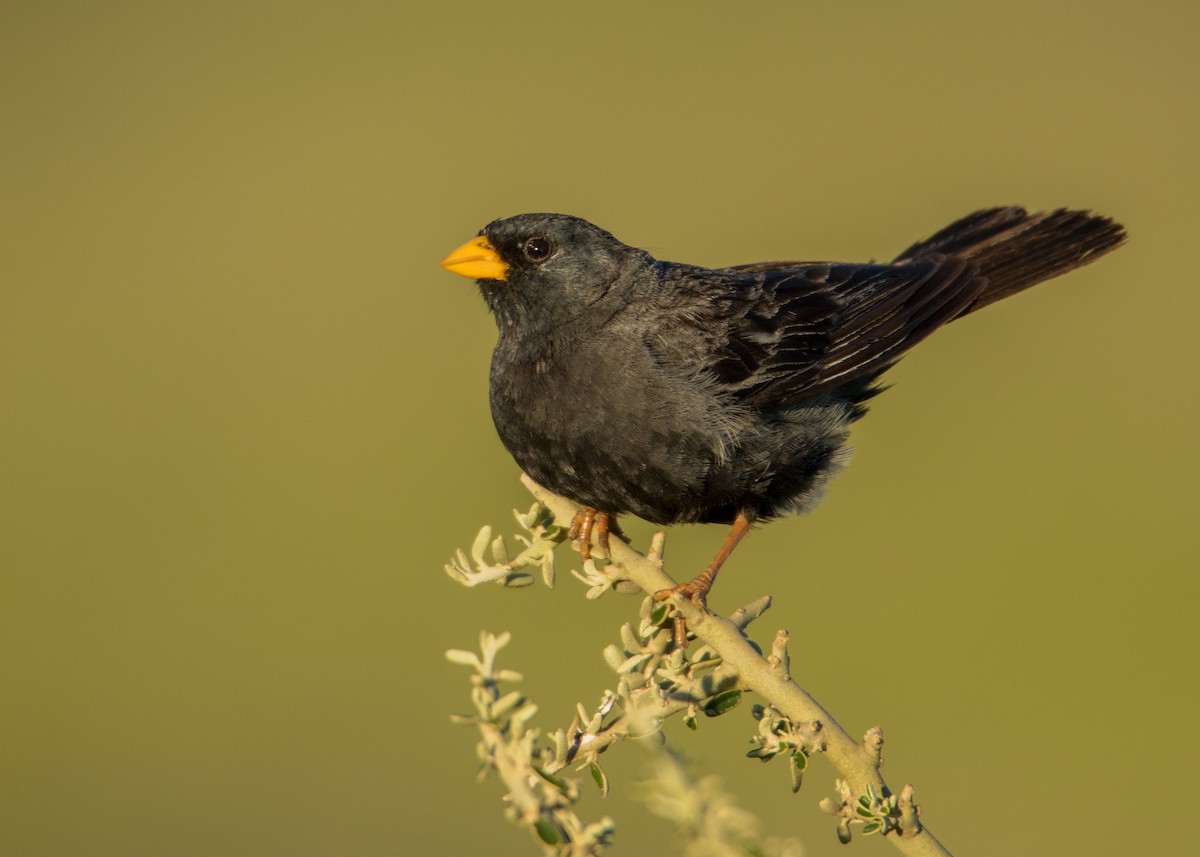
[(243, 415)]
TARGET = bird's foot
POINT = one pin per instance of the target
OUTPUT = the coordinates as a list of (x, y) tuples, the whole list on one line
[(588, 521), (696, 591)]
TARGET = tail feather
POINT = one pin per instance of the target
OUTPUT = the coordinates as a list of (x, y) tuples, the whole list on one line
[(1014, 250)]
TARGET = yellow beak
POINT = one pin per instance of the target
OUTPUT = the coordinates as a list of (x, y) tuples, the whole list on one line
[(476, 259)]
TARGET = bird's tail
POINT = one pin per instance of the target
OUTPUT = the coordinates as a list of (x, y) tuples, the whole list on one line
[(1014, 249)]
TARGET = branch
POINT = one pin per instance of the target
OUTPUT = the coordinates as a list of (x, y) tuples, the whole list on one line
[(864, 796), (538, 800)]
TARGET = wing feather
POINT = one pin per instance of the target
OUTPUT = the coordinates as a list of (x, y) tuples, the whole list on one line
[(774, 335)]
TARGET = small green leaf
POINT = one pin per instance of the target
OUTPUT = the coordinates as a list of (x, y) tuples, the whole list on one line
[(799, 763), (500, 551), (689, 720), (546, 832), (870, 828), (634, 662), (462, 656), (614, 657), (551, 779), (865, 813), (601, 779), (657, 614), (481, 542), (717, 705), (797, 778), (507, 703)]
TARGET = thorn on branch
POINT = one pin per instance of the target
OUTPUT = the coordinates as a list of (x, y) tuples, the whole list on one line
[(778, 659), (910, 822), (872, 745), (743, 616), (657, 546)]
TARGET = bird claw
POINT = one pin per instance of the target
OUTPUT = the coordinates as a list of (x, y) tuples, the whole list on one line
[(695, 591), (588, 520)]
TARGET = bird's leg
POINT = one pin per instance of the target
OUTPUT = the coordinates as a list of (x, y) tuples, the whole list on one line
[(588, 520), (697, 588)]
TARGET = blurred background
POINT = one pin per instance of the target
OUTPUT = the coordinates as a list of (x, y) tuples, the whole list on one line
[(244, 422)]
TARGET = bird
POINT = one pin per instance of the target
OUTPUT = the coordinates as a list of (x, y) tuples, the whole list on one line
[(685, 394)]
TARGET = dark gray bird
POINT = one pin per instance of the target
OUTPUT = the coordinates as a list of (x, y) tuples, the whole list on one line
[(687, 394)]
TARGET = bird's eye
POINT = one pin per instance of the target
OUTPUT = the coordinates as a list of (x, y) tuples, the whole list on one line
[(537, 249)]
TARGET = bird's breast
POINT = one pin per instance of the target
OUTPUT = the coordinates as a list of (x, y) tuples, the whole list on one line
[(606, 426)]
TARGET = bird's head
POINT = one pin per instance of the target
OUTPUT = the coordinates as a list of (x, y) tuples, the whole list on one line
[(543, 267)]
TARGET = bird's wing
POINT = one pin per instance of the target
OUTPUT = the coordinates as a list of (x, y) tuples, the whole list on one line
[(773, 334)]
